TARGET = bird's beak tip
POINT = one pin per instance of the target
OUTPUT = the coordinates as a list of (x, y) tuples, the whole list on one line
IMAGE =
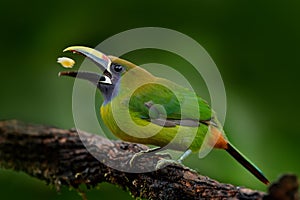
[(99, 58), (68, 73), (62, 74), (72, 48), (66, 49)]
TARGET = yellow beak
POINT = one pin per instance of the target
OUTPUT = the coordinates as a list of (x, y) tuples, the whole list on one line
[(99, 58)]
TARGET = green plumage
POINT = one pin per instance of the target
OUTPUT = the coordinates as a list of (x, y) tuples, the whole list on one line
[(178, 103), (172, 103), (142, 108)]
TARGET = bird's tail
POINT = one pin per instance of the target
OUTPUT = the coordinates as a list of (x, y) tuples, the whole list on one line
[(246, 163)]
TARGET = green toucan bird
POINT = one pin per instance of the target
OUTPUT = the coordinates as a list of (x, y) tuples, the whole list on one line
[(141, 108)]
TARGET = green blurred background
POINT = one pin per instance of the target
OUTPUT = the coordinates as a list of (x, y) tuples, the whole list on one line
[(255, 45)]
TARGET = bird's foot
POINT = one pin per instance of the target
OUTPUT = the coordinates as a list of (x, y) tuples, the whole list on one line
[(165, 162), (184, 156), (141, 153)]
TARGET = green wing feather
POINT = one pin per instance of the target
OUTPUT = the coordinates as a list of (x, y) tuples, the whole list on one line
[(178, 102)]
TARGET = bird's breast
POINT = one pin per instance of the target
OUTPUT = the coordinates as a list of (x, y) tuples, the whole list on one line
[(129, 126)]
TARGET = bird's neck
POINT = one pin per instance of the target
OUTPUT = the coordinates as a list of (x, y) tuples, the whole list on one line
[(109, 92)]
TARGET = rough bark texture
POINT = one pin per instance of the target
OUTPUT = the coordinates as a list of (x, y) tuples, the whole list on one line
[(59, 157)]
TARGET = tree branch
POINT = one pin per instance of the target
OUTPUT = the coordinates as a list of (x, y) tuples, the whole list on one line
[(59, 157)]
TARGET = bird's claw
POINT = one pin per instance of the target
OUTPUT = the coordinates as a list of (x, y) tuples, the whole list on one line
[(165, 162), (136, 155)]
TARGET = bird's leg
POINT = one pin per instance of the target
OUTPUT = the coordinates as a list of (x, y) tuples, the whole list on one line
[(184, 155), (135, 156)]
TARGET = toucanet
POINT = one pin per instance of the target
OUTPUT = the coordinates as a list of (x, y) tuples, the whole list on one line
[(142, 108)]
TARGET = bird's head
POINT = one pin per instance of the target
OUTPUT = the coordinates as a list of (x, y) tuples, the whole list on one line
[(113, 68)]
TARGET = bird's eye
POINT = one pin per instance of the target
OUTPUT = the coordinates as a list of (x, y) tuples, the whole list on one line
[(118, 68)]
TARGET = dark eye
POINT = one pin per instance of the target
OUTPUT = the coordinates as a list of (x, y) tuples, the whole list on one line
[(118, 68)]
